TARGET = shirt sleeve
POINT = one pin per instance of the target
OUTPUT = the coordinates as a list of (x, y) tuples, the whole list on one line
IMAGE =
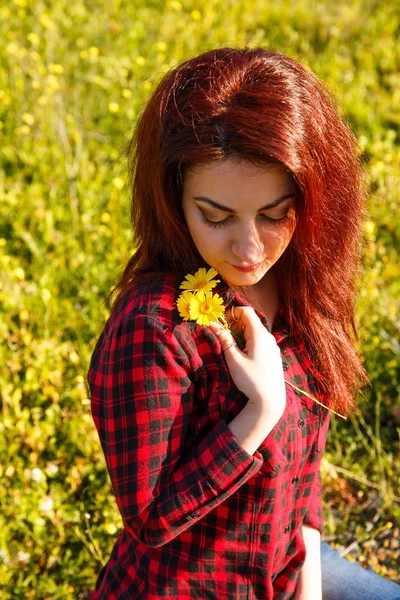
[(141, 397)]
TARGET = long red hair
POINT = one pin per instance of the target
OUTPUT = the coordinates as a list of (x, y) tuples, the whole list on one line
[(262, 106)]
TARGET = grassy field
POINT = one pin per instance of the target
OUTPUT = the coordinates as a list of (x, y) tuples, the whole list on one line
[(74, 77)]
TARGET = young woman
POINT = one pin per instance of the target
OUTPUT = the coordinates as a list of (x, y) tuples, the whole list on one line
[(241, 163)]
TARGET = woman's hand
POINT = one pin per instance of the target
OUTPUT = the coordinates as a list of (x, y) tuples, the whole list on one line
[(309, 585), (257, 370)]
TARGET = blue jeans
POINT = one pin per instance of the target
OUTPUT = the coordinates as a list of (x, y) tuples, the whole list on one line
[(343, 580)]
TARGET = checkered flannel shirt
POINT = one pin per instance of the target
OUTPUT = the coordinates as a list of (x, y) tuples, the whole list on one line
[(202, 517)]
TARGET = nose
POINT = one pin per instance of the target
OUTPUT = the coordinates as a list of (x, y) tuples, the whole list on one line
[(247, 246)]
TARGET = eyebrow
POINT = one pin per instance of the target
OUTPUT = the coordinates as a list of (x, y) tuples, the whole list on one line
[(230, 210)]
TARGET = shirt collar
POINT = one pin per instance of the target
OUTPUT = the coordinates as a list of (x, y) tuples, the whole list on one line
[(232, 297)]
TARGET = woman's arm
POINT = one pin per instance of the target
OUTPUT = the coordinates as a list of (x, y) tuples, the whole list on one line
[(142, 399), (309, 586), (310, 581)]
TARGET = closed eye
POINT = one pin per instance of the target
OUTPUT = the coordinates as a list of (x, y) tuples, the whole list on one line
[(224, 222)]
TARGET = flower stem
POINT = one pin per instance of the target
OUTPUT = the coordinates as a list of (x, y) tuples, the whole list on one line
[(317, 401)]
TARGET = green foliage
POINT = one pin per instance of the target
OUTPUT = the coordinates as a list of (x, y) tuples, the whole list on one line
[(73, 79)]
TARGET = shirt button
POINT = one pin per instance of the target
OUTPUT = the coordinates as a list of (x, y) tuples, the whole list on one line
[(285, 365), (287, 528), (300, 423), (192, 516), (295, 480)]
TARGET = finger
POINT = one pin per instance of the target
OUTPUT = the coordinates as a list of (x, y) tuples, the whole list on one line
[(234, 322), (226, 340), (233, 315), (250, 322), (228, 346)]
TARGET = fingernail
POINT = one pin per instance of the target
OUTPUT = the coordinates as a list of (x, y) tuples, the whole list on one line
[(217, 327)]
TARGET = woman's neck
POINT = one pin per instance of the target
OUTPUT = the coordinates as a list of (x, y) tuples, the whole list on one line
[(264, 296)]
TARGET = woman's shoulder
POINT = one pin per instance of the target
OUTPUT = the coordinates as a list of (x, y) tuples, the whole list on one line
[(146, 314), (153, 298), (151, 303)]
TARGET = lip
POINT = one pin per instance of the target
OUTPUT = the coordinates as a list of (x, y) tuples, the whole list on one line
[(247, 269)]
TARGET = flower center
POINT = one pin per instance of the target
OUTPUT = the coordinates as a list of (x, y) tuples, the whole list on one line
[(199, 285), (205, 308)]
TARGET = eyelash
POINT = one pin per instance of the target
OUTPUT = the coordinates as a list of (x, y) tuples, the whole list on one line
[(215, 224)]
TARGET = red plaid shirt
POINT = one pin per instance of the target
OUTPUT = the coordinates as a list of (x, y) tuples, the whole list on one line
[(202, 517)]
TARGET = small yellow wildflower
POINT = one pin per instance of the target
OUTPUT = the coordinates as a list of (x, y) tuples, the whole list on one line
[(28, 118), (46, 22), (46, 295), (175, 5), (110, 528), (113, 107), (94, 52), (56, 68), (205, 307), (74, 357), (369, 227), (183, 304), (196, 15), (52, 83), (23, 130), (118, 183), (33, 38), (200, 281)]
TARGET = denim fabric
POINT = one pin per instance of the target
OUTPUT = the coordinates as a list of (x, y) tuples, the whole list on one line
[(344, 580)]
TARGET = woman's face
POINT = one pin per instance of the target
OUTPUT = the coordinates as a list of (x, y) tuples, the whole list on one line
[(229, 210)]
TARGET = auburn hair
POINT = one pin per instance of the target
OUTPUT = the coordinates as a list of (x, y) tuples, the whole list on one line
[(262, 106)]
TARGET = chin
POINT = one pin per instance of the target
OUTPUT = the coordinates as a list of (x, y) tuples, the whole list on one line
[(243, 279)]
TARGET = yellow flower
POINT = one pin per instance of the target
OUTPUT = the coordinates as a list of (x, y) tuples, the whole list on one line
[(205, 307), (183, 304), (200, 281), (198, 303), (113, 107), (118, 183)]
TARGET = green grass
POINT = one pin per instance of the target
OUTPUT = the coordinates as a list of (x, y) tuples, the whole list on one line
[(73, 78)]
